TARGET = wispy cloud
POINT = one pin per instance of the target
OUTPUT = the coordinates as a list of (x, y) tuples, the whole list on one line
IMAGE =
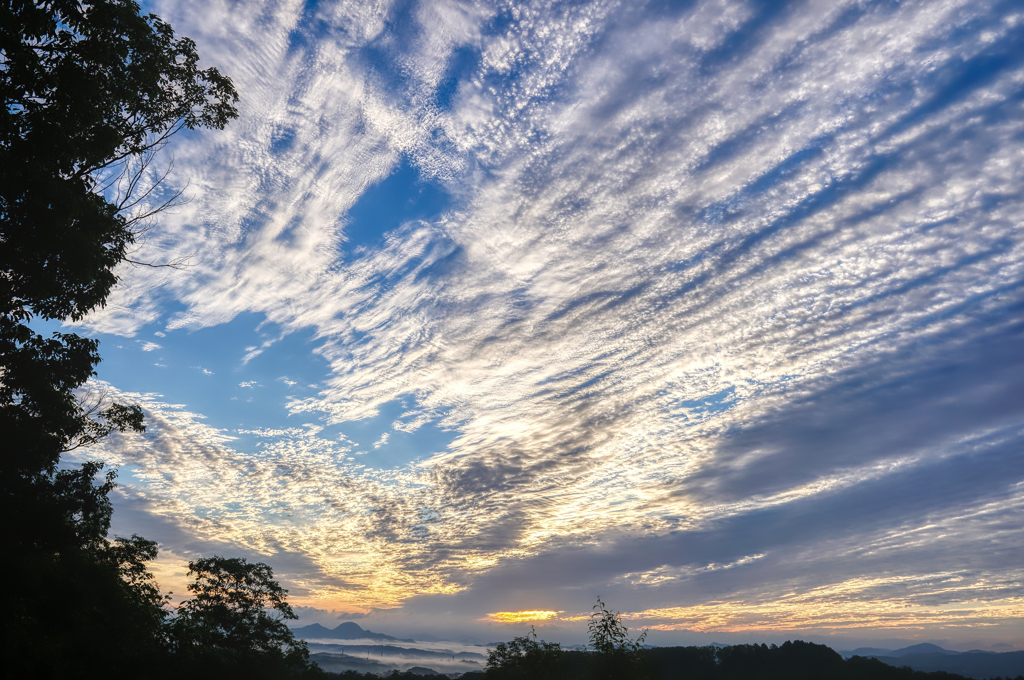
[(703, 268)]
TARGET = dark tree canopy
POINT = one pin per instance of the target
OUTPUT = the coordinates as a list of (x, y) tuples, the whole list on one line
[(236, 620), (794, 660), (611, 654), (90, 90), (84, 609), (525, 658), (237, 605), (86, 85)]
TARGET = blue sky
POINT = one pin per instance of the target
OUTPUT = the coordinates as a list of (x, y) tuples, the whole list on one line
[(713, 309)]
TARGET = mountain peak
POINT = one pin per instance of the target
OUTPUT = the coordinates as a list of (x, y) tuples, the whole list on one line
[(347, 630), (923, 648)]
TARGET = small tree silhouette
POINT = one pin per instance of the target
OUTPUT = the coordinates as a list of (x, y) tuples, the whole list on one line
[(615, 654), (525, 657)]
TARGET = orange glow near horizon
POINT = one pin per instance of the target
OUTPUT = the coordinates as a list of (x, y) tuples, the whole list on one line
[(519, 617)]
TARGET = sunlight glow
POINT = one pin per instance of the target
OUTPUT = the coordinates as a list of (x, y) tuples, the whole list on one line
[(519, 617)]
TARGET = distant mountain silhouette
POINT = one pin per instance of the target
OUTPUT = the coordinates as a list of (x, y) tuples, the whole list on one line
[(867, 652), (923, 648), (929, 658), (344, 631), (978, 665)]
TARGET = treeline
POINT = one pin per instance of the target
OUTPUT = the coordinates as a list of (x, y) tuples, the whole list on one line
[(613, 655), (795, 660)]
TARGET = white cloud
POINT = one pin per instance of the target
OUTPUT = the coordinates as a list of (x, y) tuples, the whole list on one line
[(669, 574), (150, 346), (661, 240), (316, 508)]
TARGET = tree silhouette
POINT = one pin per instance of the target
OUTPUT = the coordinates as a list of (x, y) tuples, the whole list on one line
[(524, 658), (615, 654), (235, 622), (91, 89), (84, 610), (88, 87)]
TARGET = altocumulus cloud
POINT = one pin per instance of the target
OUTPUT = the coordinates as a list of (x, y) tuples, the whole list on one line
[(726, 304)]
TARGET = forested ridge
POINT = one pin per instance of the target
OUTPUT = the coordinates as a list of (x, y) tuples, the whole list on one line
[(793, 660), (613, 654)]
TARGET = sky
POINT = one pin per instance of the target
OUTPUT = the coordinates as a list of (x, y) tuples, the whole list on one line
[(711, 309)]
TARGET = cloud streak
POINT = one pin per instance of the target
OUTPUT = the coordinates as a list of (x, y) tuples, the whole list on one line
[(705, 271)]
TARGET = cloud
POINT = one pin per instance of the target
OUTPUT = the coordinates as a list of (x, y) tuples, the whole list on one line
[(739, 278), (150, 346), (186, 474)]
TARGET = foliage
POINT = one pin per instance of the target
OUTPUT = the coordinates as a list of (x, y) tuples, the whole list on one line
[(90, 90), (41, 418), (236, 621), (525, 657), (615, 654), (612, 654), (794, 660), (128, 557), (85, 608)]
